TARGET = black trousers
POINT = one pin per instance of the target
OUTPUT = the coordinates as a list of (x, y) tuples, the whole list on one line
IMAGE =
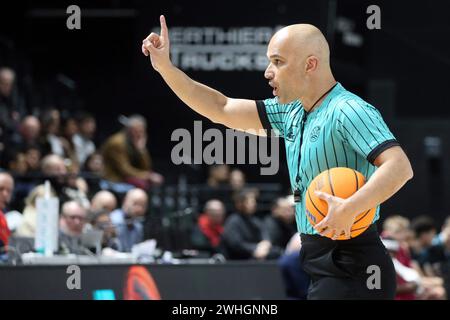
[(358, 268)]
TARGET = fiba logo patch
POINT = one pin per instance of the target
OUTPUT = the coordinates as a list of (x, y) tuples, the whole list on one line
[(314, 134)]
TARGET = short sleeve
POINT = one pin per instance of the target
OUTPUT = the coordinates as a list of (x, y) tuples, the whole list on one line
[(273, 115), (361, 126)]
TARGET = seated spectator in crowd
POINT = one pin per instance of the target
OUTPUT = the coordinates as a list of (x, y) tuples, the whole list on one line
[(397, 228), (92, 171), (128, 220), (83, 140), (442, 236), (217, 186), (71, 226), (17, 163), (424, 232), (237, 180), (104, 201), (33, 160), (28, 225), (25, 162), (219, 175), (280, 225), (296, 280), (27, 135), (6, 189), (206, 235), (411, 285), (439, 252), (244, 236), (50, 141), (69, 130), (12, 105), (102, 221), (25, 166), (126, 157), (67, 187)]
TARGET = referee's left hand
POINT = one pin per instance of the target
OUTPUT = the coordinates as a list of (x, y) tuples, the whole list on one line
[(338, 221)]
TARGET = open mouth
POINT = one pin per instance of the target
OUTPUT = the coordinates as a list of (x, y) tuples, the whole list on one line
[(275, 89)]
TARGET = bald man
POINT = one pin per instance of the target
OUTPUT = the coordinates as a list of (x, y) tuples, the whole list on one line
[(323, 126), (103, 200), (129, 219)]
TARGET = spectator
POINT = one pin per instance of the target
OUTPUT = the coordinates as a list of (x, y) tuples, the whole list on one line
[(280, 225), (17, 163), (217, 186), (71, 227), (102, 221), (104, 200), (219, 175), (33, 159), (296, 280), (84, 146), (424, 232), (12, 106), (28, 226), (94, 164), (27, 135), (6, 189), (69, 130), (208, 231), (67, 187), (128, 219), (397, 228), (92, 171), (244, 236), (126, 157), (237, 180), (411, 284), (50, 141), (439, 252)]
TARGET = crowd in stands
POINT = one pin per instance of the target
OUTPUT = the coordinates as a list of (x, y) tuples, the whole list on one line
[(106, 186)]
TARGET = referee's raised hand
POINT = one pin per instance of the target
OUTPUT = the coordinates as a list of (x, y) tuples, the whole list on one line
[(158, 47)]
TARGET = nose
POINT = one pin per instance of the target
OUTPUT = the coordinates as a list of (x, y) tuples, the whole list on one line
[(268, 74)]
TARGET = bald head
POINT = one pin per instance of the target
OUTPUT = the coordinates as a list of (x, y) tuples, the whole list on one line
[(53, 165), (104, 200), (30, 128), (304, 40), (299, 62), (7, 78), (6, 189), (215, 209), (135, 203)]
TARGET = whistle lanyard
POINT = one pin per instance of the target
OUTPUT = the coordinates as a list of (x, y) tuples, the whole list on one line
[(297, 193)]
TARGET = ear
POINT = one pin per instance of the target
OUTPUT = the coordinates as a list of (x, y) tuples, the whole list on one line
[(311, 64)]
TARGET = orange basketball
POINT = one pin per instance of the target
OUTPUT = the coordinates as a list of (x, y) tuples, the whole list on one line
[(342, 183)]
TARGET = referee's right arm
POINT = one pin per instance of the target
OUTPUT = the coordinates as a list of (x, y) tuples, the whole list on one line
[(238, 114)]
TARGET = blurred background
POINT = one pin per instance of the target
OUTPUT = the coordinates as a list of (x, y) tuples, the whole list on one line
[(84, 110)]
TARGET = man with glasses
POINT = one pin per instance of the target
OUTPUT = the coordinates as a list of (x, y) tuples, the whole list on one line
[(71, 227)]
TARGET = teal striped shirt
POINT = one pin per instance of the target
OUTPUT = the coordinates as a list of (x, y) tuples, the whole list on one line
[(343, 131)]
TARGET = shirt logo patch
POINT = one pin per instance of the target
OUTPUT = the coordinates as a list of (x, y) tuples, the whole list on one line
[(314, 134), (290, 134)]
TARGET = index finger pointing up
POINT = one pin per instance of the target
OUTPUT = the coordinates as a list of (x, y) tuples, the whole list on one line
[(164, 31)]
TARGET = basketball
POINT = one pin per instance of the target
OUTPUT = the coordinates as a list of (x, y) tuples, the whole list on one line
[(342, 183)]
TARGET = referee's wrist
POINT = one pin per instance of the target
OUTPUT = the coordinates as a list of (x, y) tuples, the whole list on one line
[(350, 208)]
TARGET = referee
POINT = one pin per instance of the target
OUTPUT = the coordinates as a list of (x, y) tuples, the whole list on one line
[(323, 126)]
